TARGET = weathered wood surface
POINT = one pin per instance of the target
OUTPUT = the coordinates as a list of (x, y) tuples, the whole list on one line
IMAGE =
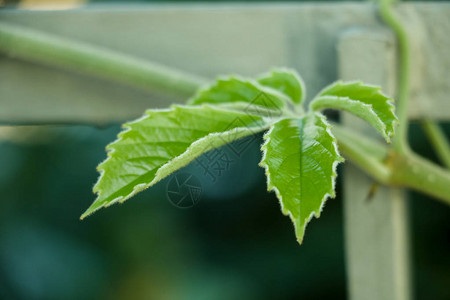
[(376, 235), (208, 40)]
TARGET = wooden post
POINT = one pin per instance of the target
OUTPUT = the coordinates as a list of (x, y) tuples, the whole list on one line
[(377, 255)]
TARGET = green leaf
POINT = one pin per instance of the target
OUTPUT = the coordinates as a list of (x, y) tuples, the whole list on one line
[(286, 81), (358, 108), (163, 141), (300, 157), (365, 101), (235, 89)]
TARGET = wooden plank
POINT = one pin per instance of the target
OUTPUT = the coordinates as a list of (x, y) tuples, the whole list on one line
[(375, 229), (208, 40)]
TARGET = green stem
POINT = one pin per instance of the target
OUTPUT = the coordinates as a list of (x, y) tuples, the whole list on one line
[(394, 168), (421, 175), (438, 140), (48, 49), (366, 153), (401, 139), (408, 169)]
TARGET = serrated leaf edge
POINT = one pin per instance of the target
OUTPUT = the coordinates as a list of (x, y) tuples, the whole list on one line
[(158, 177), (382, 128), (390, 101), (272, 187)]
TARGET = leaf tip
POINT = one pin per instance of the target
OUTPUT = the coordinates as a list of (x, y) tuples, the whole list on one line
[(87, 213), (299, 231), (91, 209), (96, 205)]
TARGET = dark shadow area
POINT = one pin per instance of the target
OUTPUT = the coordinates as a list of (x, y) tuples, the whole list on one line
[(234, 244)]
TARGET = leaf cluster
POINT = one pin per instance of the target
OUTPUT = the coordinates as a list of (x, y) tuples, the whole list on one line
[(299, 152)]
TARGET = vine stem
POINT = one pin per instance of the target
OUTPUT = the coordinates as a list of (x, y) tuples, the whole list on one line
[(401, 138), (438, 140), (36, 46), (415, 172), (393, 168)]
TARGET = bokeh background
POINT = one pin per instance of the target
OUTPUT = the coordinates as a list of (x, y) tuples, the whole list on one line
[(234, 244)]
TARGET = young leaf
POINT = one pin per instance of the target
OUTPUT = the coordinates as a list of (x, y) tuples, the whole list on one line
[(235, 89), (358, 108), (300, 157), (162, 141), (287, 82), (365, 101)]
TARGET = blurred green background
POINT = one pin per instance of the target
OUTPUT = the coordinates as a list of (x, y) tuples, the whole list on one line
[(234, 244)]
